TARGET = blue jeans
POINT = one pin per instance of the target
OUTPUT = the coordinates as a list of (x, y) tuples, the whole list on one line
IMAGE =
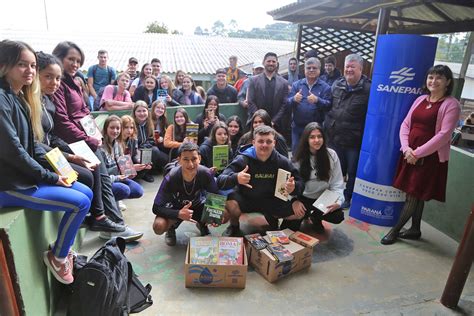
[(296, 132), (349, 158), (74, 202), (127, 189)]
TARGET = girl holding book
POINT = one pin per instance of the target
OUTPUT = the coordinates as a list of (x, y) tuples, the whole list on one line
[(148, 92), (112, 149), (320, 169), (209, 116), (191, 97), (145, 137), (137, 82), (176, 133), (174, 97), (219, 136), (160, 123), (128, 137), (234, 126), (25, 182)]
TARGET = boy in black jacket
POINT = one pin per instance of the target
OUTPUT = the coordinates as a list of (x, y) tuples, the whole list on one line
[(181, 194), (254, 174)]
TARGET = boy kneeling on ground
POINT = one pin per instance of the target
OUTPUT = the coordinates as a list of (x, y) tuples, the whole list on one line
[(181, 196), (253, 173)]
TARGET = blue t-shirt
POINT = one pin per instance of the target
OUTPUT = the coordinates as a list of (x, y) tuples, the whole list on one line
[(102, 77)]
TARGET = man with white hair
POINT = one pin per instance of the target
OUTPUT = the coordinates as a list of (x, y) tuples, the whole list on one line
[(345, 121), (308, 99)]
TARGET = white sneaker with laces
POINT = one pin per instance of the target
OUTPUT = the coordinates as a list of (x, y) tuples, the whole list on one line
[(128, 234)]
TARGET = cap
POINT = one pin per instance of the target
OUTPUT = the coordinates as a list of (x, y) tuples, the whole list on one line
[(257, 64), (133, 60), (221, 71)]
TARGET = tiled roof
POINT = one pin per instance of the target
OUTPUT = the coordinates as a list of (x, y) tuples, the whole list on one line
[(191, 53)]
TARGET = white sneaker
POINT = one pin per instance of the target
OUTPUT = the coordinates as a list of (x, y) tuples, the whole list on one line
[(122, 206), (128, 234)]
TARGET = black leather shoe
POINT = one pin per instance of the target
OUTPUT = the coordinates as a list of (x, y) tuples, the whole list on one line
[(413, 234), (170, 237), (105, 225), (148, 178), (390, 238)]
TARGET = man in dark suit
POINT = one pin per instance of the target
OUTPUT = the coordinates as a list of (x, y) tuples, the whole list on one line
[(268, 91)]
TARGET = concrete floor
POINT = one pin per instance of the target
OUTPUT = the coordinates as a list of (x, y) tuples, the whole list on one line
[(352, 273)]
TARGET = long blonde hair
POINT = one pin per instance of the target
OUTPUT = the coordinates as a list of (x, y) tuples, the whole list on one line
[(10, 52)]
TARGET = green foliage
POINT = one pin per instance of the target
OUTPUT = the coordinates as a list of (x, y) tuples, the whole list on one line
[(157, 27), (451, 47), (276, 31)]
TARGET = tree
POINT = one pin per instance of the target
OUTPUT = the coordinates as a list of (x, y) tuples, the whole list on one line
[(198, 31), (233, 26), (156, 27), (218, 29)]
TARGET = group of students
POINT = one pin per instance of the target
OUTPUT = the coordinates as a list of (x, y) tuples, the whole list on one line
[(42, 103)]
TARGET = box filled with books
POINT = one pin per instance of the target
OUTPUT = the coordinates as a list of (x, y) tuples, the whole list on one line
[(283, 253), (215, 262)]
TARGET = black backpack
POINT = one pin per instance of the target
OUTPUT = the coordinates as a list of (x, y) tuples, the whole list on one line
[(105, 285)]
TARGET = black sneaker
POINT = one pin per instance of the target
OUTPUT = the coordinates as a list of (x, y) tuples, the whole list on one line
[(105, 225), (232, 231), (170, 237), (203, 229), (148, 178)]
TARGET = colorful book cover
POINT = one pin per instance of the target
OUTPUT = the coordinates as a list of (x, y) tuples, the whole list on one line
[(145, 156), (257, 241), (280, 252), (327, 198), (203, 250), (231, 250), (280, 190), (192, 130), (90, 127), (81, 148), (60, 165), (220, 156), (125, 165), (213, 212), (278, 236), (161, 94)]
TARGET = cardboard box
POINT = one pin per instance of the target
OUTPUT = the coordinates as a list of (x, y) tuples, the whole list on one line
[(272, 270), (214, 275)]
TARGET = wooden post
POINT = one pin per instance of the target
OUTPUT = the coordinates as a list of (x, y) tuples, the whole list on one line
[(461, 266)]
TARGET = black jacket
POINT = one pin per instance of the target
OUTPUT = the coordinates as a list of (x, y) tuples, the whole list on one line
[(205, 132), (263, 174), (50, 139), (345, 121), (226, 95), (20, 155)]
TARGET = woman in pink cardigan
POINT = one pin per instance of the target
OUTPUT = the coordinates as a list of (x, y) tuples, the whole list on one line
[(425, 136)]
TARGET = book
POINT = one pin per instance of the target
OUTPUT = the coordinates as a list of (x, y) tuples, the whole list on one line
[(280, 252), (161, 94), (213, 212), (90, 127), (192, 130), (230, 250), (125, 165), (156, 136), (203, 250), (60, 165), (304, 239), (145, 156), (327, 198), (257, 241), (82, 149), (220, 156), (278, 236), (280, 190)]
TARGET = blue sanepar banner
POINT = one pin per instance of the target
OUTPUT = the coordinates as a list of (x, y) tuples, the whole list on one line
[(401, 63)]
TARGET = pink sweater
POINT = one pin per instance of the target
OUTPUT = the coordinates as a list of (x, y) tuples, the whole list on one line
[(448, 116)]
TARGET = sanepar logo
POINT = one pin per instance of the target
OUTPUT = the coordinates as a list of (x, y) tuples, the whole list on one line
[(398, 77), (402, 75)]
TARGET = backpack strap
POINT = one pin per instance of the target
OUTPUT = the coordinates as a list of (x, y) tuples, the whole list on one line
[(115, 92)]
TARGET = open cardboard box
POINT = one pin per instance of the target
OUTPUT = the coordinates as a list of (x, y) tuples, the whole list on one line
[(215, 275), (269, 267)]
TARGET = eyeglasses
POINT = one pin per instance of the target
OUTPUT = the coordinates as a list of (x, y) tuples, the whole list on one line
[(312, 68)]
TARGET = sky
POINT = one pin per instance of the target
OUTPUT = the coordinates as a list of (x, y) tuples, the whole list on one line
[(133, 16)]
